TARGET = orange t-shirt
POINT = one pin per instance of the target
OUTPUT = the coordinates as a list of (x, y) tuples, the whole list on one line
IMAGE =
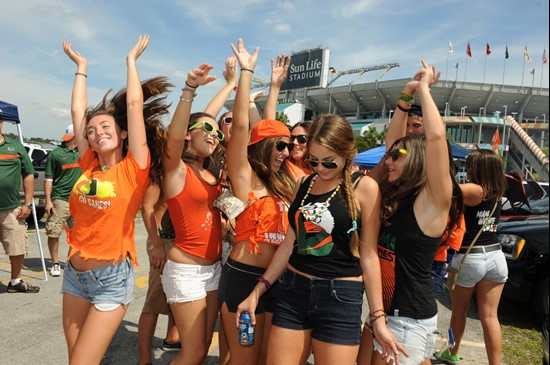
[(264, 220), (454, 242), (296, 171), (196, 222), (104, 205)]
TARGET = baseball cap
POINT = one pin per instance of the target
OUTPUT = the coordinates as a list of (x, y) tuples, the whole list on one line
[(268, 128), (415, 110), (69, 134)]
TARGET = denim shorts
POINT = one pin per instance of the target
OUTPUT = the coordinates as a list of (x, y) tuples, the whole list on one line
[(186, 283), (490, 266), (331, 309), (438, 271), (106, 287), (416, 335)]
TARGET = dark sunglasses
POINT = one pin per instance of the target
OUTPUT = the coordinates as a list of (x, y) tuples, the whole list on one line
[(281, 145), (301, 138), (208, 128), (394, 154), (227, 120), (326, 164)]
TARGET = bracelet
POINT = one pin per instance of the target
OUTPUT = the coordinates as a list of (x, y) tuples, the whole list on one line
[(372, 319), (403, 109), (192, 91), (186, 100), (191, 86), (247, 69), (376, 311), (263, 280), (251, 101), (406, 97), (81, 74), (234, 88)]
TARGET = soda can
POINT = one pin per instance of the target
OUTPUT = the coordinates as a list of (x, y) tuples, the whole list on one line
[(246, 330)]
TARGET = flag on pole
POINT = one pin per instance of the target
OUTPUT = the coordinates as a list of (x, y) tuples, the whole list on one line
[(526, 55), (488, 49), (532, 72), (495, 141), (544, 58), (469, 50), (506, 56), (457, 66), (451, 49)]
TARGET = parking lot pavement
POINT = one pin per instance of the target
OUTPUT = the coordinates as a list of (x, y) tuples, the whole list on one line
[(32, 332)]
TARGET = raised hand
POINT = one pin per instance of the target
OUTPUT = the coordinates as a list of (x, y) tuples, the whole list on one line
[(427, 75), (199, 76), (139, 47), (246, 60), (76, 57), (255, 95), (279, 70), (230, 74)]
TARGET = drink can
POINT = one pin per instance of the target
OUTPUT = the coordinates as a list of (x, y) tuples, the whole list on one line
[(246, 330)]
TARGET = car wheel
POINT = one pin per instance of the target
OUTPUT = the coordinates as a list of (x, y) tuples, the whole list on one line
[(541, 298)]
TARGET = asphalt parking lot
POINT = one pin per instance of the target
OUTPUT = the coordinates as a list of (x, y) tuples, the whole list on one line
[(32, 332)]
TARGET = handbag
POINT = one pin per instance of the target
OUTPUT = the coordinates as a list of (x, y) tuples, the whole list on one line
[(229, 204), (452, 273)]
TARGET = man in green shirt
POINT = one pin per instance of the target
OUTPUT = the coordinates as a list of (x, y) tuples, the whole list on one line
[(62, 171), (14, 163)]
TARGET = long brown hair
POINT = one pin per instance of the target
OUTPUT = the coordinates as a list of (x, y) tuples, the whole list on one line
[(335, 133), (306, 126), (154, 108), (484, 168)]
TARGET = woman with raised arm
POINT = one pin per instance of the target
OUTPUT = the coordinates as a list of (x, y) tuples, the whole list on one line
[(192, 272), (260, 180), (98, 281), (416, 200)]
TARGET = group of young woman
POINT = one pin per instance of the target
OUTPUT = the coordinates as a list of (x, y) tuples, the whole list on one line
[(307, 245)]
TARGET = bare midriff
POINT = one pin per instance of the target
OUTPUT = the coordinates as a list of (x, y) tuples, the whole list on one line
[(80, 264), (176, 254), (351, 278), (241, 253)]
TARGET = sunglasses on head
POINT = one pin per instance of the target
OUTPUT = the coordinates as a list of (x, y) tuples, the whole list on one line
[(325, 164), (208, 128), (394, 154), (227, 120), (281, 145), (301, 138)]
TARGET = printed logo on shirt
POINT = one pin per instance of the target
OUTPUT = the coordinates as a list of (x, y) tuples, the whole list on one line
[(318, 223), (275, 238), (95, 193), (491, 224), (386, 255), (11, 149)]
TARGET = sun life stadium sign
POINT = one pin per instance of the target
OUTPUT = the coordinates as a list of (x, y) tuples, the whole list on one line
[(308, 68)]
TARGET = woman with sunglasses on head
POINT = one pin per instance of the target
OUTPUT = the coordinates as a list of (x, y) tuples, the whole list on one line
[(260, 180), (191, 274), (297, 163), (329, 253), (113, 140)]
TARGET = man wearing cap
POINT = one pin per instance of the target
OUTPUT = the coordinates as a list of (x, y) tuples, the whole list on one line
[(14, 164), (62, 171)]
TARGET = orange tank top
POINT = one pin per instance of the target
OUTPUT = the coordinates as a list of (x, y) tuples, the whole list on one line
[(264, 220), (297, 172), (104, 205), (196, 222)]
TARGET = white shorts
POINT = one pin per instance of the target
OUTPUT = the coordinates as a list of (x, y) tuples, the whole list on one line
[(186, 283)]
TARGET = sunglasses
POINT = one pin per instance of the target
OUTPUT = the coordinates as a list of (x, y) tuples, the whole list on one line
[(301, 138), (281, 145), (208, 128), (394, 154), (325, 164), (227, 120)]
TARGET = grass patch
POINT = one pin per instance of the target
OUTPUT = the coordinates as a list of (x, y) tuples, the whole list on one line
[(521, 346)]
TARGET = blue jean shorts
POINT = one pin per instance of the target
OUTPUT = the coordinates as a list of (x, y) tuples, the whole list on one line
[(490, 266), (416, 335), (106, 287), (438, 271), (331, 309)]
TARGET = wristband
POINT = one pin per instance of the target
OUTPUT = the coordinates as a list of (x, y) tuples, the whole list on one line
[(191, 86), (247, 69), (403, 109), (186, 100), (406, 97), (263, 280), (372, 319), (81, 74), (376, 311), (192, 91)]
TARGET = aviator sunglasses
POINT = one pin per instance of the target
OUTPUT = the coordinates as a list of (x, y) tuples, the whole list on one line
[(326, 164), (301, 138), (208, 128), (394, 154), (281, 145)]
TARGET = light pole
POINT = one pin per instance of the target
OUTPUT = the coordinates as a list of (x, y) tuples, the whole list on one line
[(536, 119), (463, 111), (389, 118), (480, 109), (514, 115), (543, 118), (505, 110), (332, 71), (446, 108)]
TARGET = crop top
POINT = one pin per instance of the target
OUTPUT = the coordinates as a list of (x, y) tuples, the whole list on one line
[(104, 205), (264, 220), (196, 222)]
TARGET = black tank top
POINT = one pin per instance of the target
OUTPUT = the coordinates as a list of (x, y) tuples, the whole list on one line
[(474, 218), (322, 241), (406, 256)]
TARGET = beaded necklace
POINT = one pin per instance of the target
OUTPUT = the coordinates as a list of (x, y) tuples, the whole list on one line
[(313, 215)]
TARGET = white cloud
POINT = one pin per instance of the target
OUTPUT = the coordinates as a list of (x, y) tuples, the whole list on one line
[(286, 5), (61, 112), (283, 28), (351, 9)]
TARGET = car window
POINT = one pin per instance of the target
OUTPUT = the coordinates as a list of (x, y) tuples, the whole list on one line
[(38, 154)]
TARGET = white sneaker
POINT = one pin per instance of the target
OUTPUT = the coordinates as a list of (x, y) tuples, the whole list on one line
[(55, 270)]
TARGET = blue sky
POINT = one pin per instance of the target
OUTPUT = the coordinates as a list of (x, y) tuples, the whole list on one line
[(36, 75)]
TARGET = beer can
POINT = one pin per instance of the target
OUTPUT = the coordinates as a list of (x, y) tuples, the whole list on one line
[(246, 330)]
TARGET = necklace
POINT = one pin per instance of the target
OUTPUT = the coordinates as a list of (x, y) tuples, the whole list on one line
[(315, 214), (105, 167)]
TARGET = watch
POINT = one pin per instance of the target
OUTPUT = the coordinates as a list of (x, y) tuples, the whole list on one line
[(29, 205)]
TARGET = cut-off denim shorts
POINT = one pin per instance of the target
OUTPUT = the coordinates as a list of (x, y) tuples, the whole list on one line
[(490, 266), (330, 308), (106, 287), (416, 335), (187, 282)]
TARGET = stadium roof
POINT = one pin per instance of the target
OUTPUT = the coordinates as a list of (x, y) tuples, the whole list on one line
[(375, 99)]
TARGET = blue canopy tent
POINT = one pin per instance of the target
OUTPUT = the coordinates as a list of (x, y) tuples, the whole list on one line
[(370, 158), (9, 113)]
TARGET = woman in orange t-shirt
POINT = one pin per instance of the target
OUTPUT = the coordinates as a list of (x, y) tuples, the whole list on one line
[(192, 272), (98, 281)]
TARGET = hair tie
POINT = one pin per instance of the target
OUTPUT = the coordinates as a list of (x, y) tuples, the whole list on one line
[(353, 227)]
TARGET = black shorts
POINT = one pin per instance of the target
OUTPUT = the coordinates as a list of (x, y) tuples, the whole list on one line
[(237, 282), (330, 308)]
